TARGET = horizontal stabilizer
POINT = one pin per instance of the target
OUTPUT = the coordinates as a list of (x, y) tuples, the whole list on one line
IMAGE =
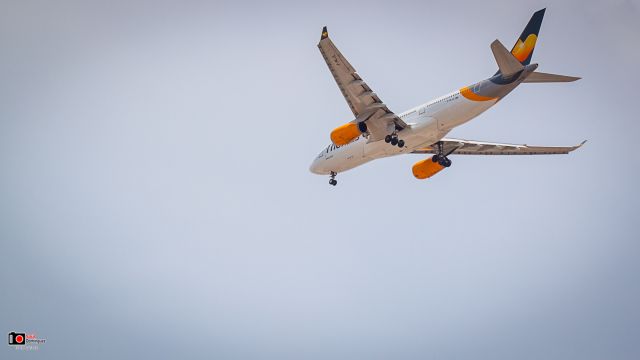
[(507, 63), (540, 77)]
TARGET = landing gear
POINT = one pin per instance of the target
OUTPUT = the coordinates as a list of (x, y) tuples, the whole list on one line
[(440, 158), (393, 140), (333, 180)]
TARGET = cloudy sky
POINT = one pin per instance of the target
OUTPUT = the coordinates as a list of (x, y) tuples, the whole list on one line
[(155, 198)]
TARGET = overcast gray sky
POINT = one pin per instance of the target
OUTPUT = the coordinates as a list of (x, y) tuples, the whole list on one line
[(155, 198)]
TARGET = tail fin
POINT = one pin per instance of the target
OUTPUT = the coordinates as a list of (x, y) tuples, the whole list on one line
[(523, 49)]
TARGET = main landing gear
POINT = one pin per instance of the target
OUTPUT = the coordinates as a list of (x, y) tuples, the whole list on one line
[(393, 140), (333, 180), (440, 158)]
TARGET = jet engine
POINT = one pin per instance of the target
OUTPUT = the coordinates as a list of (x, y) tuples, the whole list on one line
[(426, 168), (344, 134)]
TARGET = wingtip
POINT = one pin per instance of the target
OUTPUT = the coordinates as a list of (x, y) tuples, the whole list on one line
[(575, 147), (325, 33)]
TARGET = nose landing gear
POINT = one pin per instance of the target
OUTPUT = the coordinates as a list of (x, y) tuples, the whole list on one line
[(393, 140), (333, 180)]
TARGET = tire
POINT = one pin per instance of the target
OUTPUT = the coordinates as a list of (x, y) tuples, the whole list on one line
[(401, 143), (394, 141), (434, 158), (387, 139)]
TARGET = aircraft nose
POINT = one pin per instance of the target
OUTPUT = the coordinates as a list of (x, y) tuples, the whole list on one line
[(315, 168)]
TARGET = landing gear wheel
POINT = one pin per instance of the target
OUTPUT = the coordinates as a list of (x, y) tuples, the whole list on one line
[(394, 141), (444, 161), (400, 143), (333, 180), (387, 139), (440, 157)]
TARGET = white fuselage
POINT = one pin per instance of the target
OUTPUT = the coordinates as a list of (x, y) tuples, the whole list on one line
[(428, 123)]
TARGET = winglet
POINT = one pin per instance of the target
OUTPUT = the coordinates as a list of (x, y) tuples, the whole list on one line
[(325, 33), (579, 145)]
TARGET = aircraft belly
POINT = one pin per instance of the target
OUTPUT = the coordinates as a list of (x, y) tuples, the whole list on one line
[(424, 132), (460, 112), (348, 157)]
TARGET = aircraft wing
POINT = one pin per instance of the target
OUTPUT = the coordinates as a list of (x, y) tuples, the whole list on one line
[(471, 147), (364, 103)]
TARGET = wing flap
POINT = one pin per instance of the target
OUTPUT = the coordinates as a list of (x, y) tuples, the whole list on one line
[(471, 147)]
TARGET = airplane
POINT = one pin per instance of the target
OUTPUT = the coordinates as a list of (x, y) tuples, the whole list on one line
[(377, 132)]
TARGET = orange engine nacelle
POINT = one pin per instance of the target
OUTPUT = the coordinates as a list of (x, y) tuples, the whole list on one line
[(426, 168), (344, 134)]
